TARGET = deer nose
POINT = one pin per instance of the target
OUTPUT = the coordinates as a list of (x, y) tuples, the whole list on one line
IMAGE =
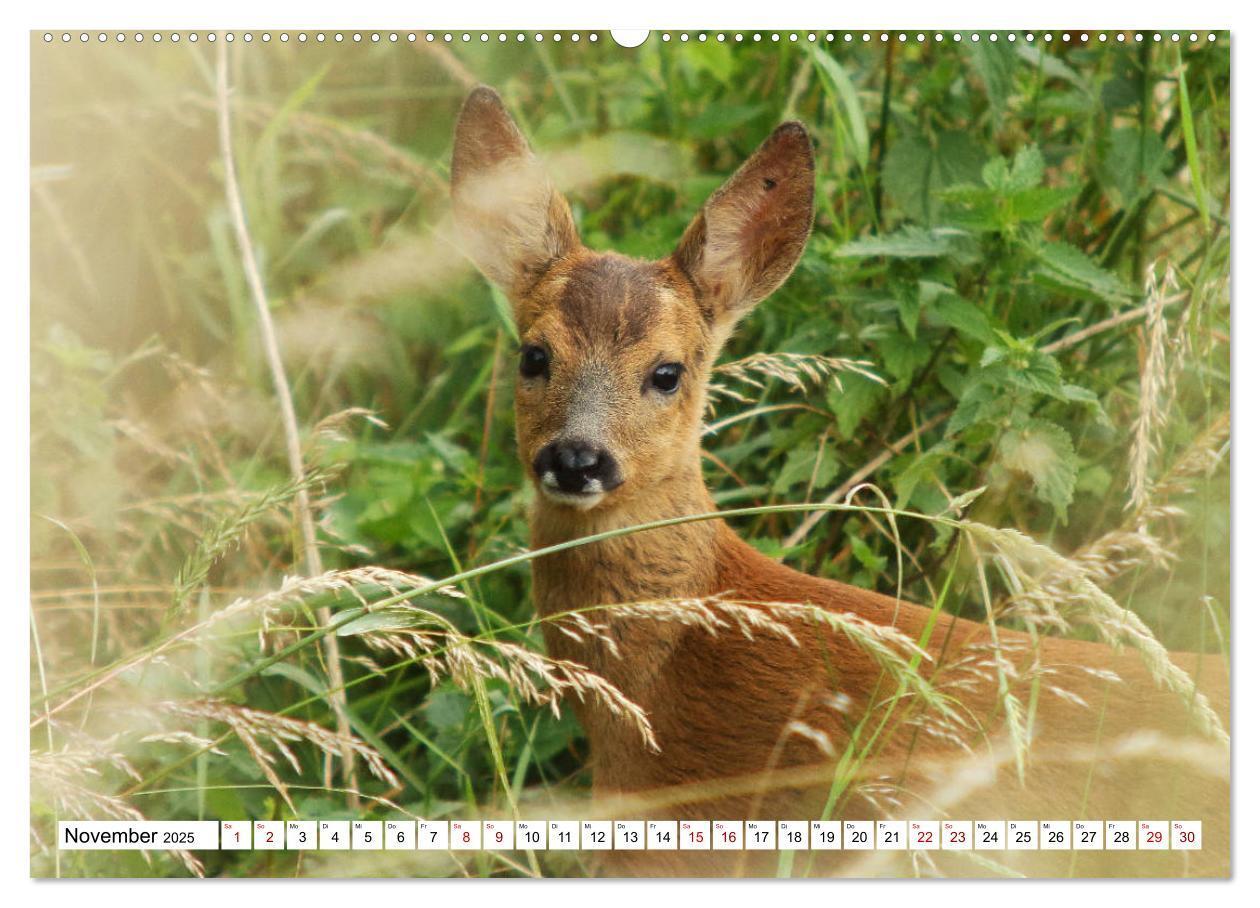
[(577, 467)]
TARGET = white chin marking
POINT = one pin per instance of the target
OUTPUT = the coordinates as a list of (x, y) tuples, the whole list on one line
[(582, 501)]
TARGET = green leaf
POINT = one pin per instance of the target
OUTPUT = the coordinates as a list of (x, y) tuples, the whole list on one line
[(1068, 269), (845, 105), (1192, 144), (995, 63), (1036, 203), (716, 59), (1037, 372), (371, 622), (503, 311), (1051, 67), (960, 503), (902, 355), (974, 402), (917, 169), (1078, 395), (853, 403), (1027, 169), (906, 243), (1044, 452), (446, 710), (1134, 162), (865, 556), (965, 317), (909, 304), (800, 465), (920, 471)]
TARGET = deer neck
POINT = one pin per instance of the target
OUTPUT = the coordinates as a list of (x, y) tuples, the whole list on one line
[(664, 563)]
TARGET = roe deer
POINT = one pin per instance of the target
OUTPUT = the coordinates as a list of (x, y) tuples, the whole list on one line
[(615, 358)]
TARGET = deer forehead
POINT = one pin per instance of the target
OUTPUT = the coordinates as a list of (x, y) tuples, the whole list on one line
[(615, 310)]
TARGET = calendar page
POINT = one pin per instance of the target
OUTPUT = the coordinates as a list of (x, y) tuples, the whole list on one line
[(775, 453)]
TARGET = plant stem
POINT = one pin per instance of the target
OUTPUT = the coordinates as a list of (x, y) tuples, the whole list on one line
[(288, 417)]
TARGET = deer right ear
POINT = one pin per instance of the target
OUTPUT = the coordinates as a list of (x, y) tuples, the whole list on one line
[(751, 232), (512, 221)]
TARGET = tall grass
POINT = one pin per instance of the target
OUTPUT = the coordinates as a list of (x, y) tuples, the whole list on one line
[(1013, 318)]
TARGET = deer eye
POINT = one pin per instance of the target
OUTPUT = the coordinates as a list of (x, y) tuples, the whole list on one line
[(665, 378), (534, 362)]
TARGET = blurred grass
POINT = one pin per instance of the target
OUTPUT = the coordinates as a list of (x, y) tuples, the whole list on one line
[(975, 203)]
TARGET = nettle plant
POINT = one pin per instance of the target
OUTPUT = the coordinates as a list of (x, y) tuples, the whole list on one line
[(968, 281)]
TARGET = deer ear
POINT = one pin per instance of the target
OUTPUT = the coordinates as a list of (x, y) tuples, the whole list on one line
[(511, 220), (750, 234)]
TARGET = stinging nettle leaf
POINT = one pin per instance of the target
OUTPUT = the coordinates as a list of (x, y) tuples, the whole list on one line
[(1068, 269), (965, 317), (907, 243), (1044, 452)]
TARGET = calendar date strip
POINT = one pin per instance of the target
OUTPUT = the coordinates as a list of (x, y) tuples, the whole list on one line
[(631, 835)]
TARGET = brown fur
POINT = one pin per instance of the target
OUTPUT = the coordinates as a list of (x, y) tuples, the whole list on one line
[(720, 706)]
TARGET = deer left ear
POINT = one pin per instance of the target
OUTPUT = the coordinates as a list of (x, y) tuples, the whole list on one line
[(751, 232), (513, 222)]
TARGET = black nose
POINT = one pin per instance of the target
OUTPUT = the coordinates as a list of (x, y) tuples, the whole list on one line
[(576, 467)]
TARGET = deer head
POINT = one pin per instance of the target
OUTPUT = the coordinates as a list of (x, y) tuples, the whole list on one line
[(616, 352)]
